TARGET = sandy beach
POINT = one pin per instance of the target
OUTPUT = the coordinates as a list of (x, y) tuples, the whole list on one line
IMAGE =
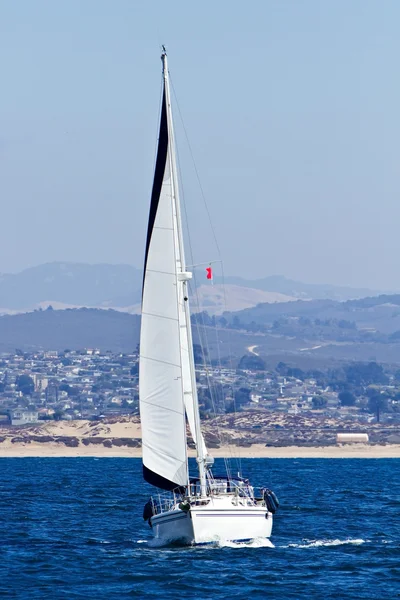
[(56, 450), (114, 438)]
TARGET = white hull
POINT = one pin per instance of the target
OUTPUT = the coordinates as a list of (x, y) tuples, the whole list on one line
[(222, 519)]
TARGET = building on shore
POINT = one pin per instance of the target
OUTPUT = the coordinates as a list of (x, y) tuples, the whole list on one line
[(24, 417)]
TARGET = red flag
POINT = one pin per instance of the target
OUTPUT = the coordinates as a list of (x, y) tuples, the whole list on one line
[(209, 273)]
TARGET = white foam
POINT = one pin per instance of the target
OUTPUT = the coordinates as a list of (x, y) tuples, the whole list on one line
[(158, 543), (256, 543), (327, 543)]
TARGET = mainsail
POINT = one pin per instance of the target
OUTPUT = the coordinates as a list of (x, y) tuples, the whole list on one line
[(166, 371)]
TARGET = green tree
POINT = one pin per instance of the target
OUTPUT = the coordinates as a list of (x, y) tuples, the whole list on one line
[(377, 402), (203, 319), (296, 372), (281, 368), (71, 391), (319, 402), (363, 374), (242, 396), (25, 384), (251, 362), (222, 322), (58, 415), (236, 322), (347, 398), (199, 354), (212, 399)]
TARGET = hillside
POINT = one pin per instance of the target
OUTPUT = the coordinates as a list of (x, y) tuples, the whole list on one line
[(73, 285), (306, 332), (297, 289), (378, 313), (215, 299), (363, 329), (74, 329)]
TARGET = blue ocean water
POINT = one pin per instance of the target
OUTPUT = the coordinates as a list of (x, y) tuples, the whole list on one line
[(72, 528)]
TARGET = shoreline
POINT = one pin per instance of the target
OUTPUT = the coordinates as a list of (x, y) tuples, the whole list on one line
[(55, 450)]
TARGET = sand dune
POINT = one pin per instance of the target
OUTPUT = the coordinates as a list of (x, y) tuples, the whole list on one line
[(82, 429), (121, 437)]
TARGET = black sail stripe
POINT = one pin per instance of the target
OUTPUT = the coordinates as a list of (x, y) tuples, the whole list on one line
[(160, 481), (161, 162)]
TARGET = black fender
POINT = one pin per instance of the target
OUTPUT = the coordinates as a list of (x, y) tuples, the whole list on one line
[(148, 510), (271, 501)]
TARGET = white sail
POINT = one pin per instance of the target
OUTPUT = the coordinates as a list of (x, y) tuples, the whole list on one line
[(167, 383), (160, 384)]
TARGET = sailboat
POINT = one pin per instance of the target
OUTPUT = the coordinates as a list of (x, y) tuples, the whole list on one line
[(205, 508)]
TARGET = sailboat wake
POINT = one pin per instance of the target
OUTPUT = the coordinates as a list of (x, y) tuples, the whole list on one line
[(217, 544), (256, 543), (327, 543)]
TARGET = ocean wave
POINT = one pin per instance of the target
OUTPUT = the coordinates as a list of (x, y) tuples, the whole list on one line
[(256, 543), (327, 543)]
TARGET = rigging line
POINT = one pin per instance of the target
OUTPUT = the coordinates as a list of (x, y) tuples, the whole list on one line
[(201, 332), (212, 388), (213, 399), (192, 260), (203, 340), (215, 241), (209, 262), (182, 194), (196, 171), (191, 254), (202, 336)]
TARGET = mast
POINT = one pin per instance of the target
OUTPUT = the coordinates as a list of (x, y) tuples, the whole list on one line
[(184, 276)]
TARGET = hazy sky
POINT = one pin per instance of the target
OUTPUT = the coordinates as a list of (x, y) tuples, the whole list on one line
[(291, 108)]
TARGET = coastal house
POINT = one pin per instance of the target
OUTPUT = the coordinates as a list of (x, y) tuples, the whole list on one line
[(24, 416)]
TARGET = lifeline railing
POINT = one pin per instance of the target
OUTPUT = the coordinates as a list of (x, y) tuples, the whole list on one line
[(166, 501)]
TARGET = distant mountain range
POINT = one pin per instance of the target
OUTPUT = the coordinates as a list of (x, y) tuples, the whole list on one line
[(303, 291), (301, 332), (72, 285)]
